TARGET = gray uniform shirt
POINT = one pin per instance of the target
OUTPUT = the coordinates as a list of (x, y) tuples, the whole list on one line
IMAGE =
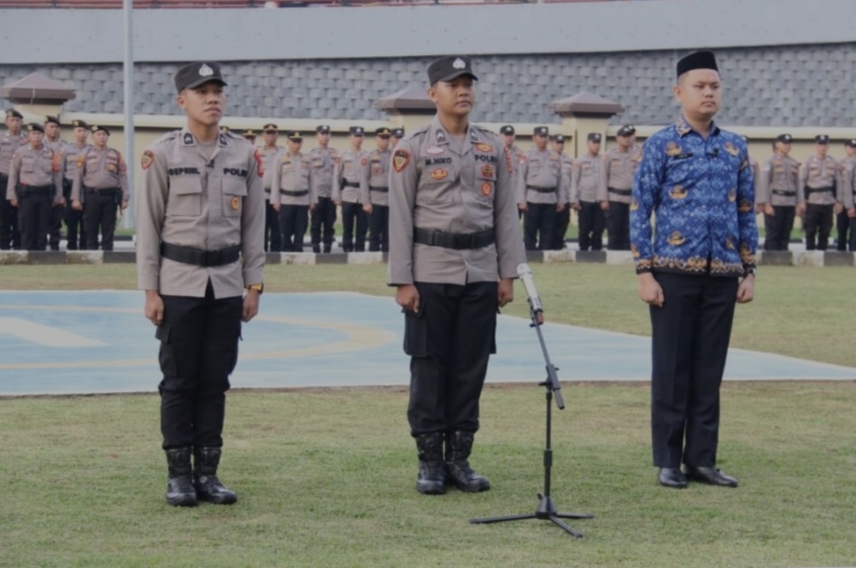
[(183, 201), (848, 182), (8, 144), (70, 153), (434, 186), (541, 169), (585, 178), (269, 163), (778, 182), (617, 172), (323, 164), (100, 169), (35, 168), (349, 172), (292, 174), (817, 173), (376, 175), (567, 172)]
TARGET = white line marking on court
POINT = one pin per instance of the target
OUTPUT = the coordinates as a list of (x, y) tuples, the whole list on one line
[(44, 334)]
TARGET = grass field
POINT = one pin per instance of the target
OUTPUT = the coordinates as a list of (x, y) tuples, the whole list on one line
[(325, 477)]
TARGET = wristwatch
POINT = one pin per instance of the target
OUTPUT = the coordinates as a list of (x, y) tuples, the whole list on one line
[(260, 288), (748, 271)]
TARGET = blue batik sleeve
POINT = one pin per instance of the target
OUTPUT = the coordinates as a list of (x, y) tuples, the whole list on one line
[(646, 188)]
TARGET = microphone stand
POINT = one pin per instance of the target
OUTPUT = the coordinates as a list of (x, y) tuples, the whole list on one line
[(546, 510)]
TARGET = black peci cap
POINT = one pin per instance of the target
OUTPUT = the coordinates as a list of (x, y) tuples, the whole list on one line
[(323, 129), (196, 74), (35, 127), (594, 137), (507, 130), (697, 60), (450, 67)]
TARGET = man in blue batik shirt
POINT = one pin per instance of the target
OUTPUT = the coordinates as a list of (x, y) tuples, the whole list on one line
[(692, 269)]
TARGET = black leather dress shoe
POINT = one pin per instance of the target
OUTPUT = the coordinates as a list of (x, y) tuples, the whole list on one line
[(710, 475), (672, 477)]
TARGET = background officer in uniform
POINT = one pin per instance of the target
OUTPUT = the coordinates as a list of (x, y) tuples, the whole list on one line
[(848, 189), (249, 135), (323, 162), (200, 209), (34, 186), (585, 181), (777, 194), (540, 189), (100, 186), (55, 143), (270, 152), (696, 179), (397, 135), (346, 192), (616, 184), (516, 155), (75, 231), (842, 220), (454, 248), (563, 217), (10, 235), (374, 191), (818, 201), (290, 193)]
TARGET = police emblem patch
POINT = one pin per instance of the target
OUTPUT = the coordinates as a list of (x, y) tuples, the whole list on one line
[(486, 188), (459, 63), (482, 147), (205, 70), (147, 159), (235, 203), (439, 174), (400, 160), (487, 171)]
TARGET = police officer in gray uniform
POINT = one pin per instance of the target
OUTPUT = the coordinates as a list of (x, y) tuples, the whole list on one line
[(346, 192), (70, 153), (397, 135), (57, 144), (616, 184), (842, 220), (323, 161), (585, 181), (777, 194), (540, 189), (290, 193), (818, 200), (34, 186), (374, 191), (269, 152), (563, 217), (200, 242), (10, 235), (454, 248)]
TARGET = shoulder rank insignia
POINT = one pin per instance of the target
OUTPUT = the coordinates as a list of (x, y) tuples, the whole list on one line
[(731, 149), (673, 149)]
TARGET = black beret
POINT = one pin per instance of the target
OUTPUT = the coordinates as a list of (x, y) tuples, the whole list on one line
[(52, 120), (627, 130), (786, 138), (822, 139), (541, 131), (850, 143), (79, 124), (450, 67), (295, 136), (398, 132), (196, 74), (507, 129), (383, 132), (697, 60), (270, 127), (12, 113), (35, 127), (323, 129), (95, 128), (356, 130), (594, 137)]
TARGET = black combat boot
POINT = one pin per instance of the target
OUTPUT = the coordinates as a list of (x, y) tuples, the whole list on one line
[(208, 487), (179, 488), (458, 471), (432, 470)]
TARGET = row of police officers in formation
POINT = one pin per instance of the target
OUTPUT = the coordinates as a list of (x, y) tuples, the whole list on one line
[(48, 181)]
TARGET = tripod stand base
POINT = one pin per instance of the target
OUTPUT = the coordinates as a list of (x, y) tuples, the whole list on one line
[(546, 512)]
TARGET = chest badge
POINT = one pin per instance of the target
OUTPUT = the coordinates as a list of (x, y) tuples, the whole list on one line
[(487, 171), (439, 174), (435, 150), (482, 147), (673, 149), (486, 188), (235, 204), (731, 149)]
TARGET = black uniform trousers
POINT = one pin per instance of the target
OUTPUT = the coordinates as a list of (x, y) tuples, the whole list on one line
[(689, 345), (351, 240), (591, 226), (273, 233), (10, 235), (323, 224), (293, 219), (818, 225), (778, 227), (34, 217), (842, 224), (99, 212), (199, 350), (853, 234), (563, 220), (539, 226), (379, 228), (449, 342), (618, 225)]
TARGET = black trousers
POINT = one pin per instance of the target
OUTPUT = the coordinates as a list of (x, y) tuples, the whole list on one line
[(34, 219), (73, 226), (273, 233), (199, 350), (10, 235), (293, 219), (539, 225), (591, 226), (379, 228), (352, 241), (449, 342), (689, 346), (853, 234), (323, 224), (818, 223), (778, 227), (99, 213), (563, 219), (842, 224), (57, 215), (618, 225)]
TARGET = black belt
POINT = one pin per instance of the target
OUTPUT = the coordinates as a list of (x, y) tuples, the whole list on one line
[(380, 189), (810, 190), (457, 241), (27, 189), (267, 190), (541, 189), (105, 190), (783, 192), (351, 184), (294, 193), (199, 257), (621, 191)]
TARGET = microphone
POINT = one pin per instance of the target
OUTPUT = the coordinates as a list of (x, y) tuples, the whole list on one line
[(525, 274)]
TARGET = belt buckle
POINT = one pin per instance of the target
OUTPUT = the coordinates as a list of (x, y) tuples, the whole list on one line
[(462, 240), (212, 258)]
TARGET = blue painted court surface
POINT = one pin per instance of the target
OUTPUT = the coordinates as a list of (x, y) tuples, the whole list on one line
[(95, 342)]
